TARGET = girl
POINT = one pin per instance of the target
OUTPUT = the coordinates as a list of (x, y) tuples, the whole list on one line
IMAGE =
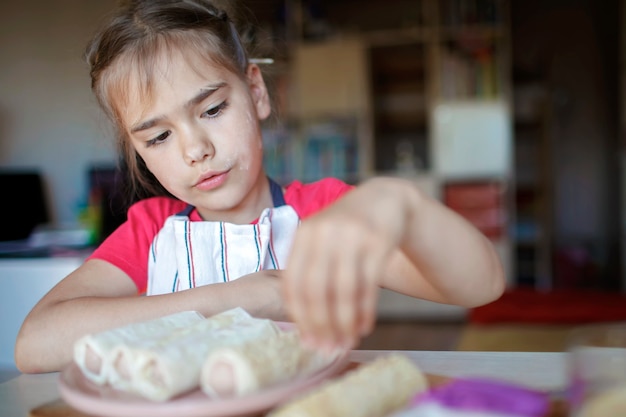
[(217, 233)]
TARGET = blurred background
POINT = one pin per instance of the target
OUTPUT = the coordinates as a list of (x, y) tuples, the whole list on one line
[(509, 111)]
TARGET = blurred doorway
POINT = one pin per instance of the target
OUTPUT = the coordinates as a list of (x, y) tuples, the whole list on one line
[(566, 72)]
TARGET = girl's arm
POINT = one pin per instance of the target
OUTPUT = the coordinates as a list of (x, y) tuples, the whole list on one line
[(98, 296), (384, 233)]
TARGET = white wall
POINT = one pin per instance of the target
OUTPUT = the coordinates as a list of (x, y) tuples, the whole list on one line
[(48, 116)]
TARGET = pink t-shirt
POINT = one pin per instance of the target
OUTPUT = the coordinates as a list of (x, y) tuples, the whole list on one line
[(128, 246)]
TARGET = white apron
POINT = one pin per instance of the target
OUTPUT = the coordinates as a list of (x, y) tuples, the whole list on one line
[(187, 254)]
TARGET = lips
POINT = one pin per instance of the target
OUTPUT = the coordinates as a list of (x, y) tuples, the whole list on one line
[(211, 180)]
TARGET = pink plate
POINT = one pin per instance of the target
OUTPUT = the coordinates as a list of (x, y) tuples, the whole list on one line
[(94, 399)]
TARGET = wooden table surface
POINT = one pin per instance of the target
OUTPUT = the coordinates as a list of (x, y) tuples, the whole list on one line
[(38, 395)]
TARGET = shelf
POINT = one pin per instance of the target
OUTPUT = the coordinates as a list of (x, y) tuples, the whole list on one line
[(390, 74), (471, 12), (472, 33), (375, 17), (527, 126), (399, 106), (525, 76), (533, 199), (393, 37), (397, 64)]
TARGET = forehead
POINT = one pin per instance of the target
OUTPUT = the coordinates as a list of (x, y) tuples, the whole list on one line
[(136, 76)]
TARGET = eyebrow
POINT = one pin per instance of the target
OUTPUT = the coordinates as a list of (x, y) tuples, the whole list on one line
[(204, 93)]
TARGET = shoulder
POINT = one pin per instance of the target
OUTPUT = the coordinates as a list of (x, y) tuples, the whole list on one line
[(128, 246), (146, 217), (308, 199)]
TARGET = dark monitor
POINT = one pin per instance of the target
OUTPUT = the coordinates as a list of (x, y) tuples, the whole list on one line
[(25, 204), (106, 182)]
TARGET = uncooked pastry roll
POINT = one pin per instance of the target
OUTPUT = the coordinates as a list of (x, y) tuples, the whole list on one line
[(235, 371), (93, 352), (375, 389), (611, 403), (128, 357), (172, 365)]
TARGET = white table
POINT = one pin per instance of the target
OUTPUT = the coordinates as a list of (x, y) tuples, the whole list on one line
[(540, 370)]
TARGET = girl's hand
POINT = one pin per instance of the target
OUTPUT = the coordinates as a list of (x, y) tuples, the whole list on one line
[(335, 268), (261, 294)]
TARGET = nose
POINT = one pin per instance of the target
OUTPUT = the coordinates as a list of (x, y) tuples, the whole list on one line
[(196, 145)]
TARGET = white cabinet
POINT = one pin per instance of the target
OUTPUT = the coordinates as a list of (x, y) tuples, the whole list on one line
[(471, 140), (24, 282)]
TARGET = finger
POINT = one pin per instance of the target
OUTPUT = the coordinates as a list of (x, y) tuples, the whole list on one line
[(306, 290), (346, 305), (367, 309), (373, 268), (292, 282), (318, 302)]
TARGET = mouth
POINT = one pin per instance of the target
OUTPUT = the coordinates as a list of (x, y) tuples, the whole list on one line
[(211, 180)]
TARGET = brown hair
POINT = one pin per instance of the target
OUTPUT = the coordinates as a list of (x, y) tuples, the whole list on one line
[(130, 43)]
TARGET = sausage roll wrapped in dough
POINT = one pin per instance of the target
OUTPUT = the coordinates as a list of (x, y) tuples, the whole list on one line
[(162, 369), (375, 389), (239, 370), (127, 357), (93, 352)]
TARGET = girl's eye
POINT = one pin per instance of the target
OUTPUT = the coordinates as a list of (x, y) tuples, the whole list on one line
[(215, 111), (158, 140)]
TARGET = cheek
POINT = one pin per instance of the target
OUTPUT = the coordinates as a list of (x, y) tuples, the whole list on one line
[(254, 148), (160, 167), (255, 138), (245, 141)]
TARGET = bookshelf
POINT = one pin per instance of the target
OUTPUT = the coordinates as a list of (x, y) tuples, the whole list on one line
[(400, 114), (471, 135), (533, 229), (324, 131), (422, 92)]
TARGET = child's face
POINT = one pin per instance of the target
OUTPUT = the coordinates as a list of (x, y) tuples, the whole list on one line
[(199, 135)]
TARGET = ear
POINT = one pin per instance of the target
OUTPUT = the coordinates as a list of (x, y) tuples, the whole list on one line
[(258, 90)]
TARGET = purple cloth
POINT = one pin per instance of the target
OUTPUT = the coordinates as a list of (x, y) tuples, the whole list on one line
[(480, 394)]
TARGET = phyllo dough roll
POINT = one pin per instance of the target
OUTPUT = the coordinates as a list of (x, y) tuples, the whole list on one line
[(172, 366), (93, 352), (234, 371), (128, 358), (375, 389)]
